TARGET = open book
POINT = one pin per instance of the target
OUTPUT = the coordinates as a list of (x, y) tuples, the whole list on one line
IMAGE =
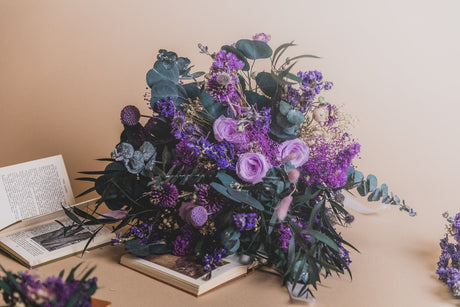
[(184, 273), (31, 198)]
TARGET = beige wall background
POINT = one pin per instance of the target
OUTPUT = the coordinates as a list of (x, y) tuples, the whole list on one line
[(68, 67)]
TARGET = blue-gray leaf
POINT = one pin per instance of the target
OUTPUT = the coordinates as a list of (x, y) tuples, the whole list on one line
[(254, 49), (266, 83), (372, 182), (136, 163), (148, 151), (123, 152)]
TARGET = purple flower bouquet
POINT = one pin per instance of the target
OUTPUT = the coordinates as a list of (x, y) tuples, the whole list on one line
[(236, 161), (24, 289), (449, 260)]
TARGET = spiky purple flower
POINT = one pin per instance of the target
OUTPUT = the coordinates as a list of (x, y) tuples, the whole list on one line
[(164, 195), (209, 198), (221, 86)]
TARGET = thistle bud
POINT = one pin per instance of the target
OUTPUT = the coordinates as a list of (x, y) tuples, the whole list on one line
[(283, 207), (293, 175)]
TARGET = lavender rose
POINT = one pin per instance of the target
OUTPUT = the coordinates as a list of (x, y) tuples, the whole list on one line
[(296, 151), (252, 167), (227, 129)]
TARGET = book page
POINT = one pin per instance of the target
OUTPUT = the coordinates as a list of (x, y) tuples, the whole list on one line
[(48, 241), (33, 188)]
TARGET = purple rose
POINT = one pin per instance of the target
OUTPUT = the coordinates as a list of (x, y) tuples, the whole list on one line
[(226, 129), (252, 167), (296, 151)]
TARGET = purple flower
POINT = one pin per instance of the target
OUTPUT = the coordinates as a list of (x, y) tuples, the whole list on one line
[(261, 37), (166, 108), (328, 85), (185, 155), (164, 195), (296, 151), (221, 86), (252, 167), (226, 61), (457, 221), (209, 198), (130, 115), (226, 129), (192, 214), (185, 242), (245, 221)]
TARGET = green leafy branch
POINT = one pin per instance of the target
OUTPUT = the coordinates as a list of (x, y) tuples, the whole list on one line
[(369, 187)]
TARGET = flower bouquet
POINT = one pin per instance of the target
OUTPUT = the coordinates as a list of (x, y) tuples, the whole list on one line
[(449, 260), (27, 290), (235, 161)]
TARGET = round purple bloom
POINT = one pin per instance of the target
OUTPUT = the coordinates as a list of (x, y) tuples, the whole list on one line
[(252, 167), (226, 129), (192, 214), (296, 151), (130, 115)]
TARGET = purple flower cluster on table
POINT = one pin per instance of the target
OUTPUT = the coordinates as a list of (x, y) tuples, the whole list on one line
[(449, 260), (25, 289)]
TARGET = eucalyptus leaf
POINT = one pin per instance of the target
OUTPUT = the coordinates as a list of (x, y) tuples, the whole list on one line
[(267, 84), (372, 182), (244, 197), (214, 108), (137, 248), (226, 179), (253, 49)]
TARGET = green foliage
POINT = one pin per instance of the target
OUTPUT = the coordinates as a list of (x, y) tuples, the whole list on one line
[(369, 187), (267, 84), (141, 249), (253, 49), (214, 108), (286, 122)]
